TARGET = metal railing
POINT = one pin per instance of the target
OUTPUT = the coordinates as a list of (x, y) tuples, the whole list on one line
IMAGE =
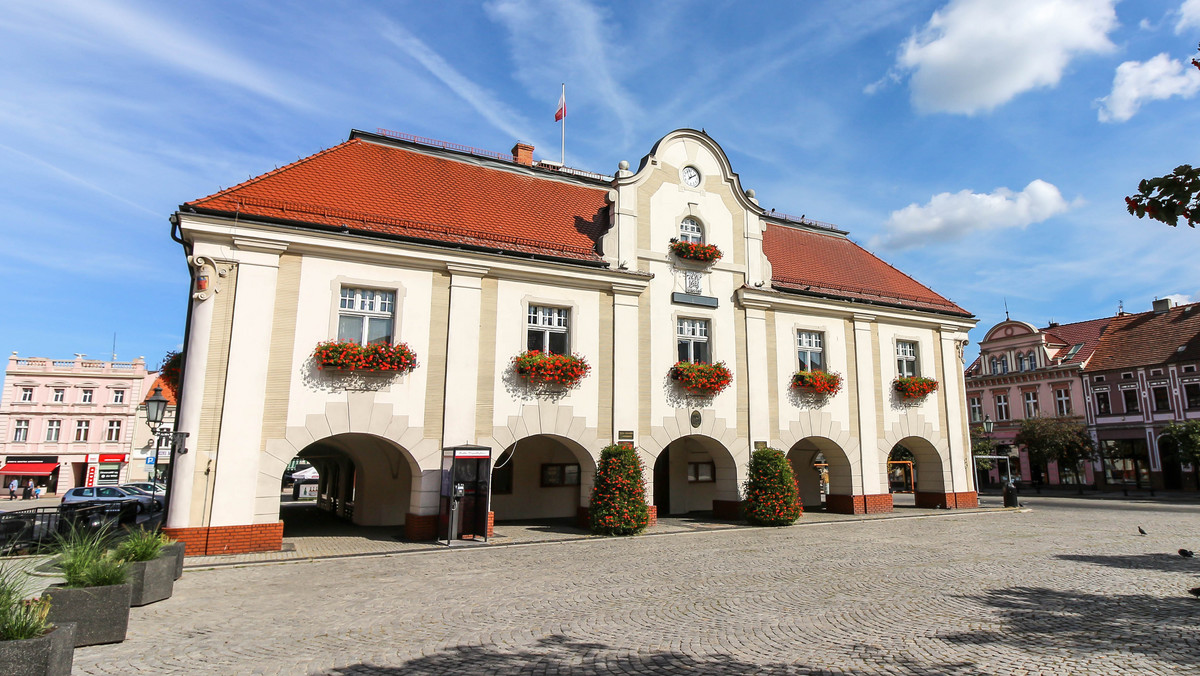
[(27, 531)]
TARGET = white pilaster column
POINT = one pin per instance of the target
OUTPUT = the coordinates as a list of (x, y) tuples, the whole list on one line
[(758, 382), (462, 354), (868, 404), (958, 436), (625, 380), (235, 476)]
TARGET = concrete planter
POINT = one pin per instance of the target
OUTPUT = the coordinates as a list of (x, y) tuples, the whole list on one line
[(49, 655), (100, 614), (175, 549), (152, 581)]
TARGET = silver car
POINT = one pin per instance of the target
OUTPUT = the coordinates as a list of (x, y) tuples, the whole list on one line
[(101, 494)]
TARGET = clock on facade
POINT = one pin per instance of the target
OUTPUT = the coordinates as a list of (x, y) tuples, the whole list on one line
[(691, 176)]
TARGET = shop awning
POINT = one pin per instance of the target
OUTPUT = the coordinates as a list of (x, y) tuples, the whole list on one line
[(29, 468)]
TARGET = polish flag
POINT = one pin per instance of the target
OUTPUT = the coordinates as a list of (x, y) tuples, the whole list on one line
[(562, 107)]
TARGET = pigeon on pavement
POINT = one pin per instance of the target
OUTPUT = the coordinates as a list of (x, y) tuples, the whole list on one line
[(1186, 553), (1141, 531), (1195, 591)]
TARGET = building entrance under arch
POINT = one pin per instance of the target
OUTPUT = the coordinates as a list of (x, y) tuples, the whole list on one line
[(542, 479), (695, 475), (918, 476), (822, 470)]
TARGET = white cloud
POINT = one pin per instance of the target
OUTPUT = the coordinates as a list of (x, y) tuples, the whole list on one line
[(1189, 16), (975, 55), (1179, 298), (950, 216), (1137, 82)]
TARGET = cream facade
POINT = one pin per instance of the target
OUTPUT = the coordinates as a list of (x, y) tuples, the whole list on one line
[(252, 397)]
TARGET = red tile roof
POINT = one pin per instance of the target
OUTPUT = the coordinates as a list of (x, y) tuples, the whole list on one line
[(394, 190), (831, 265), (1086, 333), (1148, 338), (167, 390)]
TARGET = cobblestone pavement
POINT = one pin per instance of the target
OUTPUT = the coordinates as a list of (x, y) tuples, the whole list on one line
[(1068, 587)]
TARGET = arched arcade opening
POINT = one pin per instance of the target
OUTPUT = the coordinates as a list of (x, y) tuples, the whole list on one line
[(823, 474), (544, 477), (696, 474), (915, 468)]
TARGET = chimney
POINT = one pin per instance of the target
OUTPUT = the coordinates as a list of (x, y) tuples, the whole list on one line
[(1161, 305), (523, 154)]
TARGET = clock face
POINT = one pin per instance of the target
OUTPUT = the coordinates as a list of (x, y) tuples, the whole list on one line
[(691, 176)]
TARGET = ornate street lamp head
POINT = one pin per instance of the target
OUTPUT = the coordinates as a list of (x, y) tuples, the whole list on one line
[(156, 406)]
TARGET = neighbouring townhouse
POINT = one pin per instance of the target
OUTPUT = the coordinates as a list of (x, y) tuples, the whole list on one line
[(70, 422), (391, 306)]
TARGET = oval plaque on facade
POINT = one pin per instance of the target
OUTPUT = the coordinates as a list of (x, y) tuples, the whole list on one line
[(696, 418)]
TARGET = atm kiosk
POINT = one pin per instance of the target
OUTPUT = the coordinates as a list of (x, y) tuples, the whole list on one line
[(465, 498)]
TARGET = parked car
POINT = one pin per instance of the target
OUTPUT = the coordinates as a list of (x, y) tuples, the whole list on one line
[(147, 487), (102, 494)]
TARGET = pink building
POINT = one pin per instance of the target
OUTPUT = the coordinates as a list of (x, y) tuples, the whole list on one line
[(69, 422)]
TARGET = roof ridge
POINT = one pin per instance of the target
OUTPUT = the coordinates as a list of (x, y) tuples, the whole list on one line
[(275, 171), (914, 280)]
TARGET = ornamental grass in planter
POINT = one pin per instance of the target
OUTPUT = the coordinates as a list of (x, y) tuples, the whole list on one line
[(825, 383), (701, 378), (695, 251), (772, 496), (151, 567), (618, 505), (29, 642), (546, 369), (916, 387), (96, 593), (381, 357)]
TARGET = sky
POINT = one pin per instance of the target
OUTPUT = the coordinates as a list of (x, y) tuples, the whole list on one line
[(983, 147)]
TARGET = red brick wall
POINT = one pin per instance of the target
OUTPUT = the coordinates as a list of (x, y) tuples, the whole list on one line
[(491, 524), (729, 510), (965, 500), (880, 503), (653, 520), (420, 527), (215, 540)]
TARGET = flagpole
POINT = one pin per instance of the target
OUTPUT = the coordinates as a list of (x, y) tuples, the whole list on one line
[(563, 156)]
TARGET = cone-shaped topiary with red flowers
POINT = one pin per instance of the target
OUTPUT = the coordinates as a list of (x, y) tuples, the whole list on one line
[(618, 504), (772, 497), (550, 370), (349, 356)]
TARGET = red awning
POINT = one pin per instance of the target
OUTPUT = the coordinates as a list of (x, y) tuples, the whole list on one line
[(29, 468)]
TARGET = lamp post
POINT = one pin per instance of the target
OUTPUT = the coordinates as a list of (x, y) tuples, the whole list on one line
[(156, 408)]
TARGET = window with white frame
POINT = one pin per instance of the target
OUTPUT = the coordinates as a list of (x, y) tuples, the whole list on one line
[(118, 396), (21, 430), (1020, 362), (1004, 364), (976, 407), (690, 231), (548, 329), (1131, 401), (1002, 407), (1162, 399), (53, 430), (86, 397), (692, 337), (60, 395), (82, 428), (1031, 404), (114, 431), (1062, 401), (366, 316), (810, 346), (906, 358), (1191, 392), (1103, 406), (995, 366), (1032, 361), (26, 395)]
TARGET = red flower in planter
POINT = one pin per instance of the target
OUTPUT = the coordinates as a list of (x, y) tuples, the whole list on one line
[(348, 356), (546, 368), (820, 382), (705, 253), (699, 377), (915, 387)]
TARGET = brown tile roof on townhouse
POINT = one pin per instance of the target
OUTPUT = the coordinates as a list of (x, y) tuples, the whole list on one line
[(1149, 338), (167, 390), (807, 261), (403, 192), (1067, 336)]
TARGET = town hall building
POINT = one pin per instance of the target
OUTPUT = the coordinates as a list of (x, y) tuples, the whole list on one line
[(470, 260)]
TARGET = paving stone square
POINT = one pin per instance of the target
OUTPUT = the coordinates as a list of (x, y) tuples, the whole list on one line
[(1067, 587)]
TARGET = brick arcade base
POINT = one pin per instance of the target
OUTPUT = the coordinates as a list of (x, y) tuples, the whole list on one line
[(880, 503), (214, 540), (421, 527), (966, 500)]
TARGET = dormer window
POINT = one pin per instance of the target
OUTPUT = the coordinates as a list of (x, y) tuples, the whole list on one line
[(690, 231)]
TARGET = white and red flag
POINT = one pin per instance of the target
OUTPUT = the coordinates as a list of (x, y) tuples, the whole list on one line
[(561, 112)]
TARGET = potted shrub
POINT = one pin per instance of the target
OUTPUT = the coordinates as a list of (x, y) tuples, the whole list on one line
[(701, 378), (349, 356), (772, 497), (29, 643), (695, 251), (825, 383), (96, 593), (151, 567), (546, 369), (618, 505), (915, 388)]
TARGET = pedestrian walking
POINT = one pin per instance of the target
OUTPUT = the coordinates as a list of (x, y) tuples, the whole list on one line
[(27, 494), (37, 492), (12, 490)]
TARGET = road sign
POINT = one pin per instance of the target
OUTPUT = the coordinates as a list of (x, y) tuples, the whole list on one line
[(150, 459)]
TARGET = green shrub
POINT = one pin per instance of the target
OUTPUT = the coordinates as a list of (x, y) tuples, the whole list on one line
[(84, 558), (772, 497), (21, 617), (142, 545), (618, 505)]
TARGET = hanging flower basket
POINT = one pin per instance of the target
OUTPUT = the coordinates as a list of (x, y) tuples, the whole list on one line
[(825, 383), (915, 387), (700, 378), (692, 251), (347, 356), (549, 369)]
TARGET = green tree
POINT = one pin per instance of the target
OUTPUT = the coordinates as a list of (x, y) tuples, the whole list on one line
[(1063, 440), (1186, 437), (618, 505), (772, 497)]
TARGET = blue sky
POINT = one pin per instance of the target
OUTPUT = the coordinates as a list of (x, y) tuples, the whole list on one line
[(983, 147)]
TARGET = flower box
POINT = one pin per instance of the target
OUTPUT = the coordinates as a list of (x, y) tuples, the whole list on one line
[(915, 387), (693, 251), (50, 654), (100, 614), (546, 369), (708, 379), (347, 356), (825, 383)]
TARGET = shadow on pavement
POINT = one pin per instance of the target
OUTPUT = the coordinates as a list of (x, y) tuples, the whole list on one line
[(1173, 563), (305, 519)]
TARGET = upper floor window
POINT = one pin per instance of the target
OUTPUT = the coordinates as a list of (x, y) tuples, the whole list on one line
[(1062, 402), (809, 350), (366, 316), (976, 407), (1162, 399), (1021, 365), (1031, 404), (114, 431), (692, 337), (1191, 392), (1002, 407), (1102, 405), (53, 429), (1032, 361), (547, 329), (21, 430), (60, 395), (86, 397), (82, 427), (906, 358), (1004, 364), (689, 231), (1189, 368), (1131, 400), (26, 394), (995, 366), (1127, 376), (118, 396)]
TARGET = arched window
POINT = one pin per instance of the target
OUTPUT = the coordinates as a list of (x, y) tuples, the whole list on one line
[(689, 231), (1004, 364), (1020, 361), (995, 366), (1032, 361)]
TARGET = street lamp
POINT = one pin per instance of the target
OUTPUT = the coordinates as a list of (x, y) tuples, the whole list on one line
[(156, 408)]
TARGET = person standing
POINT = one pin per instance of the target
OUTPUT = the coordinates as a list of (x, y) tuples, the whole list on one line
[(12, 490), (27, 494)]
